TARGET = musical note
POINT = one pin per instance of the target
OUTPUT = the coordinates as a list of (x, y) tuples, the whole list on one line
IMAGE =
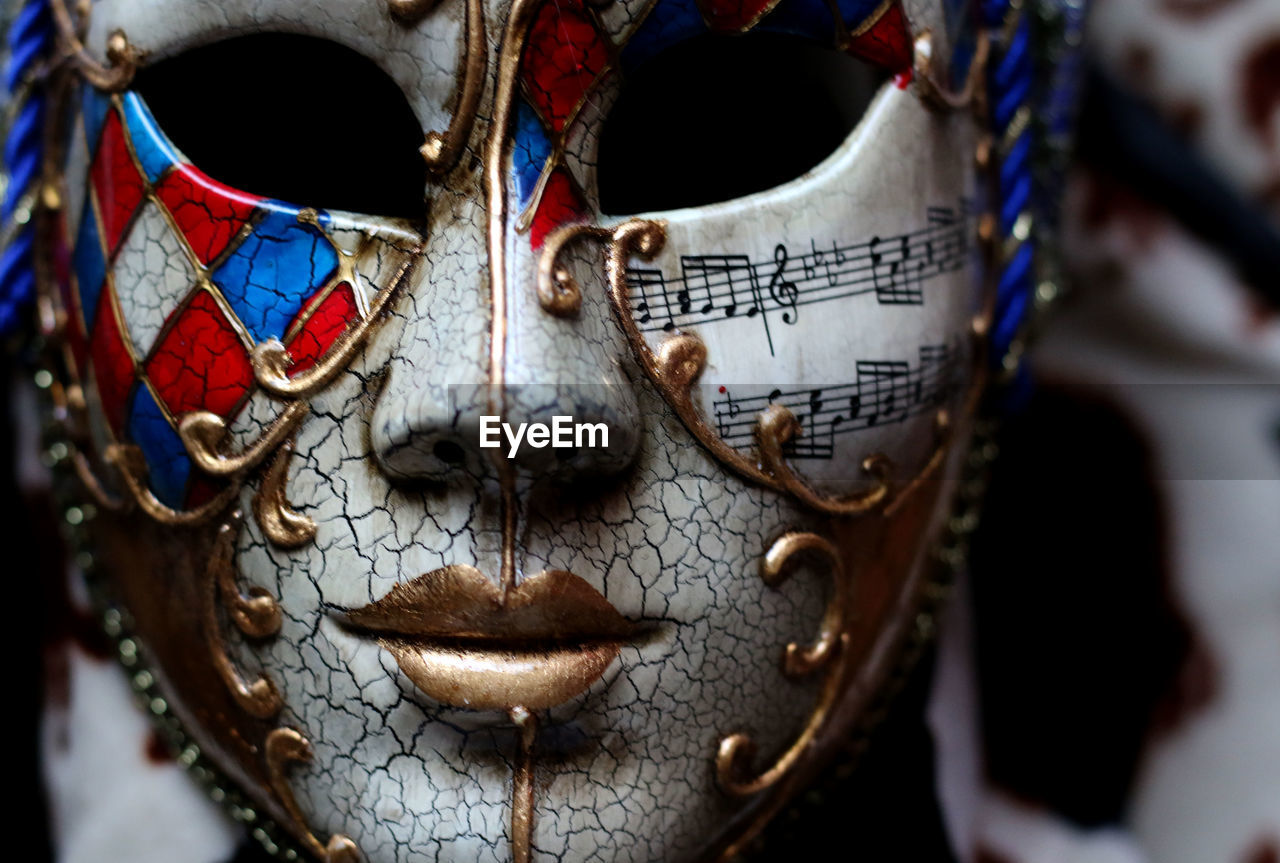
[(639, 282), (783, 291), (722, 287), (885, 392)]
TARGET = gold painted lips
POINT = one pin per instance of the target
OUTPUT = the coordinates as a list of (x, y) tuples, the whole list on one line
[(455, 638)]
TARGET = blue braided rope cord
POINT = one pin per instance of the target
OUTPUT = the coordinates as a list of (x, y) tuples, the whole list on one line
[(1010, 79), (30, 40), (1033, 82)]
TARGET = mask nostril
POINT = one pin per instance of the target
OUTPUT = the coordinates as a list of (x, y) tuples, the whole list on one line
[(449, 452)]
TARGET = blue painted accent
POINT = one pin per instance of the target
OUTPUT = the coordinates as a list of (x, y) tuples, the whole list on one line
[(269, 276), (89, 264), (529, 152), (155, 153), (810, 19), (167, 462), (668, 23), (94, 108), (854, 12)]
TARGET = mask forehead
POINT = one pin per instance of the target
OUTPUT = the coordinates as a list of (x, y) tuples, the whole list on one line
[(423, 59)]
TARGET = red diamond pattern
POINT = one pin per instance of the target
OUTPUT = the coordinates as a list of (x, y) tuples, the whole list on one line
[(112, 362), (119, 186), (209, 213), (562, 59), (200, 363), (329, 320)]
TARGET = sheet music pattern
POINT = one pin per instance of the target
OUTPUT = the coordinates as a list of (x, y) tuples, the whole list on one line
[(885, 392), (713, 288)]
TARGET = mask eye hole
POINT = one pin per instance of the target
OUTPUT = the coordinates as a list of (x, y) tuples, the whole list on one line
[(716, 118), (262, 113)]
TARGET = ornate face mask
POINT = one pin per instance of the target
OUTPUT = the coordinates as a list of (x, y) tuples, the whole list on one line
[(729, 371)]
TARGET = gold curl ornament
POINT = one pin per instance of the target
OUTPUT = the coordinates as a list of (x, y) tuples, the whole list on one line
[(736, 752), (680, 360)]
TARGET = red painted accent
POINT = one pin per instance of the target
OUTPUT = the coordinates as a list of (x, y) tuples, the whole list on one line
[(112, 365), (560, 205), (723, 390), (904, 78), (119, 186), (329, 321), (201, 490), (200, 363), (888, 42), (732, 16), (562, 59), (209, 213)]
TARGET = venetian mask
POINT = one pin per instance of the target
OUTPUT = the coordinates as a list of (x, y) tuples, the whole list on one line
[(713, 278)]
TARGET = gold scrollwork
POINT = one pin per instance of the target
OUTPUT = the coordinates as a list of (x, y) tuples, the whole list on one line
[(272, 360), (775, 427), (441, 150), (737, 751), (937, 94), (122, 56), (410, 11), (522, 786), (131, 464), (286, 746), (279, 521), (257, 613), (679, 362), (97, 491), (204, 434)]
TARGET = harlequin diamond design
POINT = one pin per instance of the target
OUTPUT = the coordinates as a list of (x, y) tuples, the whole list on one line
[(154, 266), (565, 57), (208, 213), (562, 58), (89, 263), (268, 277), (112, 363), (118, 186), (733, 16), (668, 23), (168, 465), (184, 284), (155, 154), (328, 320), (560, 205), (200, 362), (886, 42), (529, 153), (94, 108)]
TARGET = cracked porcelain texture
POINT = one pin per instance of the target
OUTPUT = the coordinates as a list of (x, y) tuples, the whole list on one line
[(654, 524)]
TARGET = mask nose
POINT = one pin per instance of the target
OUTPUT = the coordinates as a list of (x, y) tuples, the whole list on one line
[(563, 403)]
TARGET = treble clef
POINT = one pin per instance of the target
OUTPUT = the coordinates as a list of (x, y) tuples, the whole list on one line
[(783, 290)]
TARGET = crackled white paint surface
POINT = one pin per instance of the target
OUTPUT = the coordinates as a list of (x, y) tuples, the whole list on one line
[(657, 526)]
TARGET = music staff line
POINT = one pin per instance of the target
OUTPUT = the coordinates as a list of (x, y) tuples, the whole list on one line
[(885, 392), (712, 288)]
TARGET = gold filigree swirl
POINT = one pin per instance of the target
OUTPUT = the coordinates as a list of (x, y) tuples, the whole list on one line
[(285, 747), (736, 752)]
